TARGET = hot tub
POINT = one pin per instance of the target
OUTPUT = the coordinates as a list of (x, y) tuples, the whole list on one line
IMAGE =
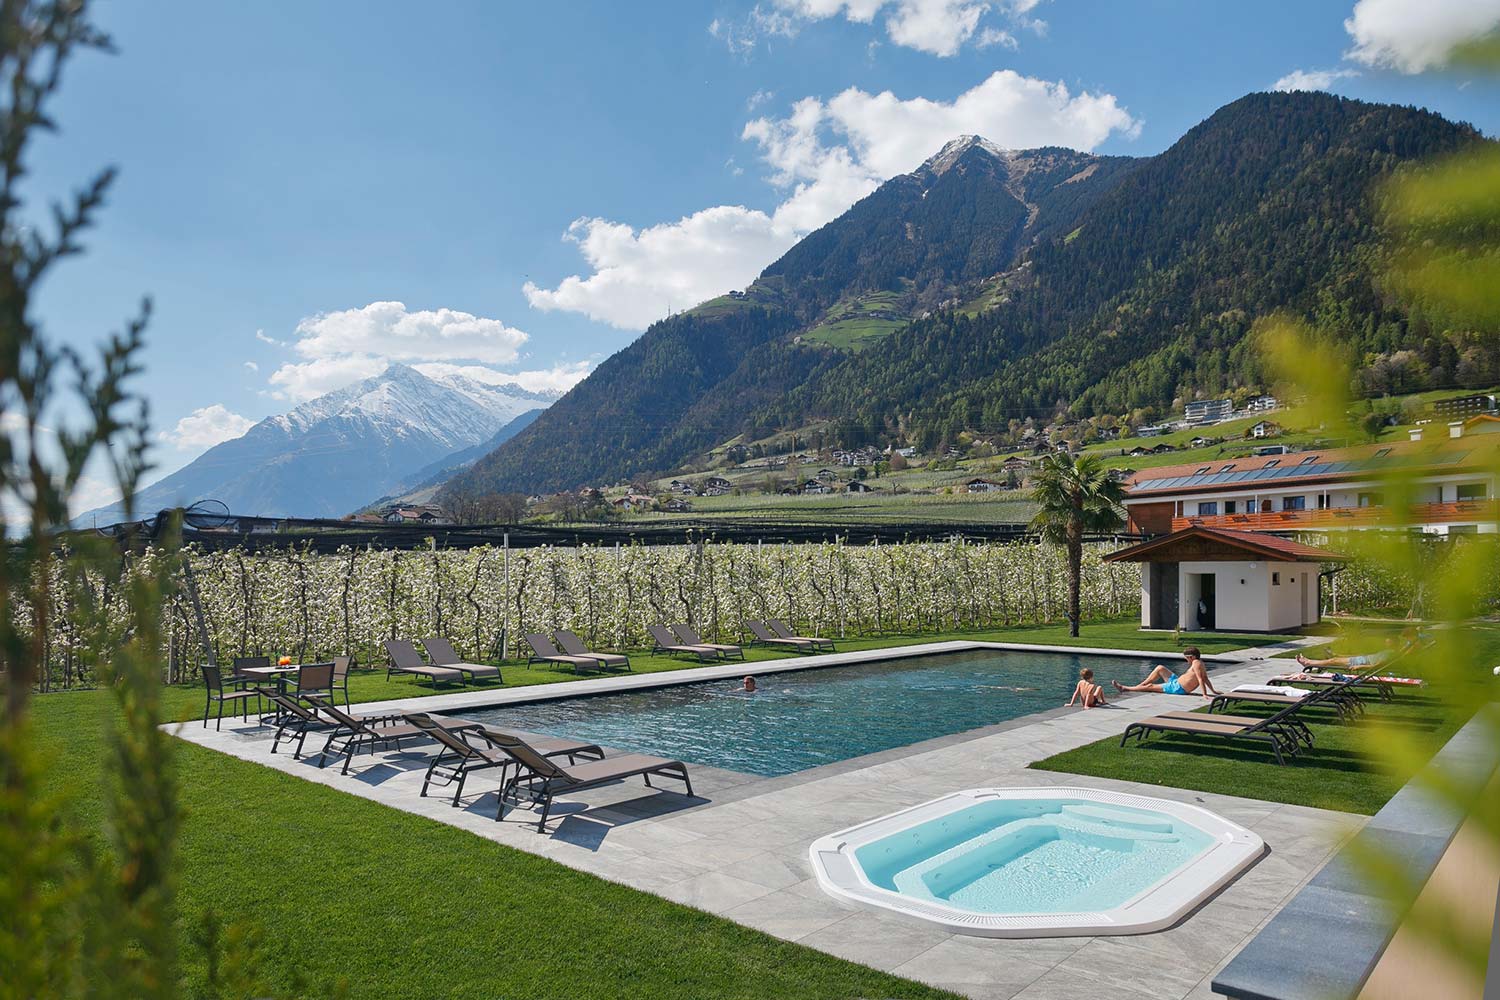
[(1038, 862)]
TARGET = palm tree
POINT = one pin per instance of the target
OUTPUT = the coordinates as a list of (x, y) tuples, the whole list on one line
[(1075, 496)]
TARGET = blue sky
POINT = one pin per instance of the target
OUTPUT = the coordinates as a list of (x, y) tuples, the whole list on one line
[(533, 183)]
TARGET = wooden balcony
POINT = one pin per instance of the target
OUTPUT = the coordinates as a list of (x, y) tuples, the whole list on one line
[(1347, 517)]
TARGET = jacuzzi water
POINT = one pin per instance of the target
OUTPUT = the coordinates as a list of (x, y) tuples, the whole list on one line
[(1037, 862), (1033, 856)]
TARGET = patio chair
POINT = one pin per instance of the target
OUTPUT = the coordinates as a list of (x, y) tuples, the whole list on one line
[(341, 667), (404, 659), (573, 646), (545, 778), (314, 679), (1273, 730), (688, 636), (544, 650), (763, 635), (459, 756), (213, 682), (442, 654), (237, 675), (666, 642), (782, 632)]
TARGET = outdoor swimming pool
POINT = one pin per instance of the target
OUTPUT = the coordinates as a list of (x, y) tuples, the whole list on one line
[(806, 718)]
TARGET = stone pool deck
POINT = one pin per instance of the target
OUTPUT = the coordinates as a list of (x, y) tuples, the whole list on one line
[(739, 847)]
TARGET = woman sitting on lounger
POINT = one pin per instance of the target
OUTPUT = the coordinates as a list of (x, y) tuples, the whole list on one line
[(1162, 681)]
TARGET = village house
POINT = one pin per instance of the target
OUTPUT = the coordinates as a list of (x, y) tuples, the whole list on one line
[(982, 486), (858, 486), (816, 486), (1263, 429), (1455, 487), (635, 501), (677, 505)]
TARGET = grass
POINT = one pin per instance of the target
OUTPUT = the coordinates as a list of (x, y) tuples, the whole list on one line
[(1344, 770), (853, 326), (391, 904)]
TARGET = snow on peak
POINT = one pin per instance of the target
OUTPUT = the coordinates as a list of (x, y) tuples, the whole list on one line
[(946, 157)]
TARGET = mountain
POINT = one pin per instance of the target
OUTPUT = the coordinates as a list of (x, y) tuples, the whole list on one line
[(434, 474), (991, 284), (330, 455)]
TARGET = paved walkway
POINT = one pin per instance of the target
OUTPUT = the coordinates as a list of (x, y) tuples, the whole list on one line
[(739, 849)]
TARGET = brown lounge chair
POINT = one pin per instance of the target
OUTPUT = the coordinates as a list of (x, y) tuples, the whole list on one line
[(442, 654), (544, 650), (688, 636), (545, 779), (458, 757), (666, 642), (782, 632), (1277, 731), (762, 634), (352, 733), (1342, 700), (296, 720), (404, 659), (573, 646)]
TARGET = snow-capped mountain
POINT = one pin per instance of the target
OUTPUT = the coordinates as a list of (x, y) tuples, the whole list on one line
[(332, 454)]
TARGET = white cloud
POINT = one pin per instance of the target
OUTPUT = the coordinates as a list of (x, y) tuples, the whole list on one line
[(206, 427), (310, 379), (1414, 37), (389, 330), (741, 37), (758, 98), (260, 335), (824, 156), (560, 377), (251, 366), (1312, 79), (994, 36), (938, 27)]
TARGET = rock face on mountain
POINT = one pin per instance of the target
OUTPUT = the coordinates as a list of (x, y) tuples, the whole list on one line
[(335, 453), (991, 284)]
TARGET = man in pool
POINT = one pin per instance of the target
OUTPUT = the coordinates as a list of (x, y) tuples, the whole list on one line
[(747, 686), (1163, 681)]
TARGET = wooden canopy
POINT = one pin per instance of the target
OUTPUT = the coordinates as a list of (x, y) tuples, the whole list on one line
[(1200, 544)]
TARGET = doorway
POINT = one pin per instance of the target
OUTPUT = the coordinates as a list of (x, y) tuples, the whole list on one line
[(1164, 596), (1208, 611)]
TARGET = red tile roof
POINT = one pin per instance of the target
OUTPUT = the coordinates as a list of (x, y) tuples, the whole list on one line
[(1272, 548)]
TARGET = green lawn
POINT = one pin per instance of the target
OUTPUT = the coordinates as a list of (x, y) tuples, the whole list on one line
[(1344, 770), (391, 904)]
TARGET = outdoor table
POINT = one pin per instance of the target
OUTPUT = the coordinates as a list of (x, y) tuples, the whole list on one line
[(277, 675)]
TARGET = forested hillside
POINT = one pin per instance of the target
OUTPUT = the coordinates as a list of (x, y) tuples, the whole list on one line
[(1025, 282)]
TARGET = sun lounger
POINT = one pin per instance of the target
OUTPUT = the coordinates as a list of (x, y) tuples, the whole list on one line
[(573, 646), (666, 642), (779, 628), (545, 778), (543, 650), (296, 720), (688, 636), (1273, 731), (459, 757), (1340, 698), (352, 733), (404, 659), (442, 654), (764, 635), (1384, 685)]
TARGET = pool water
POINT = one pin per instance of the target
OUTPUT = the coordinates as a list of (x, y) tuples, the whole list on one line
[(806, 718), (1033, 856)]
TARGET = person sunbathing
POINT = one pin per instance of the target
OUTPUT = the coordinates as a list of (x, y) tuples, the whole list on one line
[(1162, 681), (1375, 659), (1087, 692)]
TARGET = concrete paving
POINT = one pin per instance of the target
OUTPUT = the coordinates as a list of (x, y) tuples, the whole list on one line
[(738, 848)]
